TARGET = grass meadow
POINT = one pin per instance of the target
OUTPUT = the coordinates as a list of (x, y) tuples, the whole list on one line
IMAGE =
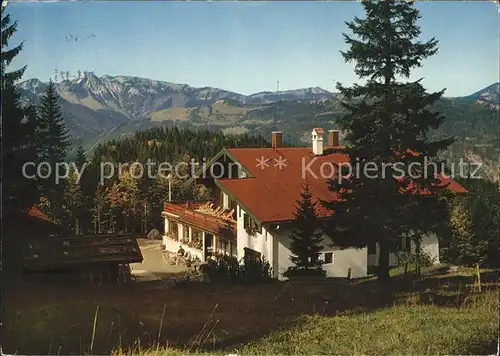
[(439, 313)]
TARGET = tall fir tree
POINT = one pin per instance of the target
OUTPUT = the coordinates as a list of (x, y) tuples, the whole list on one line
[(388, 122), (53, 141), (8, 54), (19, 193), (80, 157), (52, 132), (306, 238)]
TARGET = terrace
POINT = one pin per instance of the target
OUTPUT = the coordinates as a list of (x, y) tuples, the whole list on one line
[(199, 228)]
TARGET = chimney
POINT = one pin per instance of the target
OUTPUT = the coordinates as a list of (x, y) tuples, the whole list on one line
[(277, 139), (333, 138), (317, 141)]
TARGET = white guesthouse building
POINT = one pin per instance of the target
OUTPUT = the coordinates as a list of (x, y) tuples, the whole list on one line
[(255, 196)]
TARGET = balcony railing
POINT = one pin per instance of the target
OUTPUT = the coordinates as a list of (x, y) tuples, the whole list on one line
[(196, 243)]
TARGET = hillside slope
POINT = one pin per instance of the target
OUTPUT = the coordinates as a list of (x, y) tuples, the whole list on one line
[(489, 96)]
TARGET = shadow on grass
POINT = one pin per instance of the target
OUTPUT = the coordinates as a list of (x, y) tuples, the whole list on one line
[(199, 317)]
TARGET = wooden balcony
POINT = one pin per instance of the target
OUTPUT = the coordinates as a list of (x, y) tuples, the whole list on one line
[(199, 227)]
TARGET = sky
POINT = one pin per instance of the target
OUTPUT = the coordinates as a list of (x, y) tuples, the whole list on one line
[(245, 47)]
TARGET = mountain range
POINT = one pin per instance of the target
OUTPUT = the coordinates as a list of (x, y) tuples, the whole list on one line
[(137, 97), (489, 96), (97, 109), (95, 106)]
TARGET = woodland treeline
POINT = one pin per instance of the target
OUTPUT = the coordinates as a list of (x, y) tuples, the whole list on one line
[(125, 203)]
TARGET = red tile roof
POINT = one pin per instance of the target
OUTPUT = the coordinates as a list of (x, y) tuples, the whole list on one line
[(185, 212), (37, 213), (271, 194), (31, 224)]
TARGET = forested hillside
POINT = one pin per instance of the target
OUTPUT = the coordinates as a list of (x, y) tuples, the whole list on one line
[(134, 202), (98, 109)]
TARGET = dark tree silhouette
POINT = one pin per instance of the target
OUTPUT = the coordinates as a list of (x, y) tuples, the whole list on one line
[(388, 121), (306, 238)]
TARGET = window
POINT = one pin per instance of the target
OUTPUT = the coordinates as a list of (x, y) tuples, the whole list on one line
[(172, 228), (246, 221), (250, 224), (328, 258), (251, 255), (197, 234)]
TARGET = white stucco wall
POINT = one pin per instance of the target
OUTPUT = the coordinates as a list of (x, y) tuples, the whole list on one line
[(260, 242), (282, 242), (429, 244), (355, 259)]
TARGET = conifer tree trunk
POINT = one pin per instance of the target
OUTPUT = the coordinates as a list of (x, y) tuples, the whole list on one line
[(77, 226), (383, 261), (417, 257)]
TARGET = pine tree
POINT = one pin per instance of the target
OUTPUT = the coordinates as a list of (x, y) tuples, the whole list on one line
[(53, 141), (52, 132), (18, 192), (8, 29), (80, 157), (388, 121), (306, 238)]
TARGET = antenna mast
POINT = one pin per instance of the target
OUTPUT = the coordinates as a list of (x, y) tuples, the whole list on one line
[(278, 102)]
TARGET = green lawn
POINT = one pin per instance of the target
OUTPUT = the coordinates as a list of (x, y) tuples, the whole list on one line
[(417, 330)]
